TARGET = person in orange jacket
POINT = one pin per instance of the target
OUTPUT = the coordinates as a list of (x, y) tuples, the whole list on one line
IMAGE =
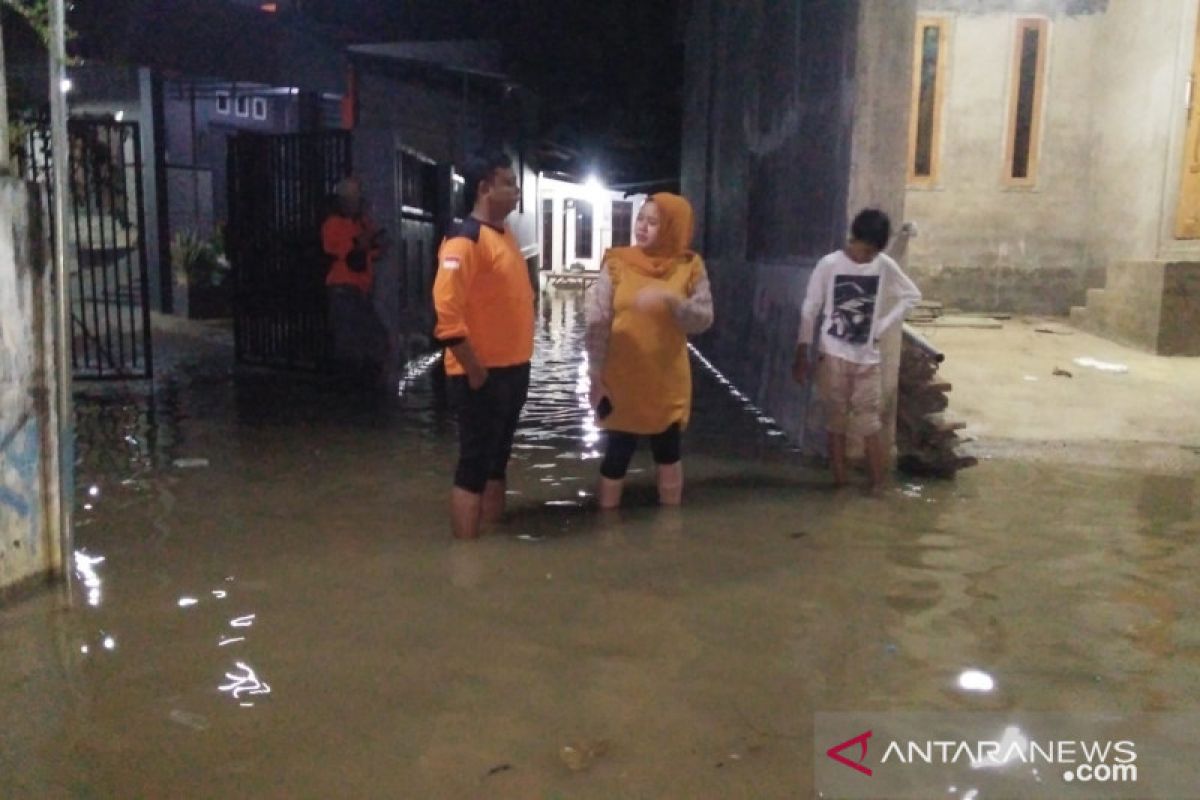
[(353, 244), (484, 302)]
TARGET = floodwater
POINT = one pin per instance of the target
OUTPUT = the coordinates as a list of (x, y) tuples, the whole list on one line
[(285, 615)]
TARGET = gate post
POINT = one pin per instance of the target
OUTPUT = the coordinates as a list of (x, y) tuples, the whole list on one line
[(31, 546)]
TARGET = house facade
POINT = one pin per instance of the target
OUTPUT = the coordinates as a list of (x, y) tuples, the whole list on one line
[(1052, 165)]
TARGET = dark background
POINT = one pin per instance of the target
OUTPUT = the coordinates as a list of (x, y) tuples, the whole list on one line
[(607, 73)]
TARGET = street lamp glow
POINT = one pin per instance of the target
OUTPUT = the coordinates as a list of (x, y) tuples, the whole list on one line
[(66, 85), (594, 183)]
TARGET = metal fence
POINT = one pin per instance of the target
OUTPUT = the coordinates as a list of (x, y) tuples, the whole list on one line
[(110, 297), (279, 188)]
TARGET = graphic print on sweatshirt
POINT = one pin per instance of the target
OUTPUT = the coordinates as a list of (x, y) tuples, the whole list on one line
[(853, 307)]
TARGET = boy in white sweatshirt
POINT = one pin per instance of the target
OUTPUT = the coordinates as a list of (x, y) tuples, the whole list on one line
[(848, 286)]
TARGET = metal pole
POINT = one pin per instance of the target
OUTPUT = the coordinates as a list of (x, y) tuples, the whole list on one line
[(3, 109), (60, 158)]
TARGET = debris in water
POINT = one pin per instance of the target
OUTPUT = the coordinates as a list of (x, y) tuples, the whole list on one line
[(190, 463), (1103, 366), (1062, 373), (190, 720), (1055, 329), (579, 756)]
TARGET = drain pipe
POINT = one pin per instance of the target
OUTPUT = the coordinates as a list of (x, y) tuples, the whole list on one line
[(60, 156)]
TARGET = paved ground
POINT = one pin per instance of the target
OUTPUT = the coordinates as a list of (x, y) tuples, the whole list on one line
[(1006, 388)]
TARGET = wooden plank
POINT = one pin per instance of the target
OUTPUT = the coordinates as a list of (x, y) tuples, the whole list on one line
[(959, 322), (943, 424)]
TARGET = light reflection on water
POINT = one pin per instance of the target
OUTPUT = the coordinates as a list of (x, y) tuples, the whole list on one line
[(127, 436)]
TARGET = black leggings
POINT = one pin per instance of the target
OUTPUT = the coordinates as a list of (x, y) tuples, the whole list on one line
[(619, 452)]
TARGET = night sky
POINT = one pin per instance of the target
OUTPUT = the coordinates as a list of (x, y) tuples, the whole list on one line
[(609, 73)]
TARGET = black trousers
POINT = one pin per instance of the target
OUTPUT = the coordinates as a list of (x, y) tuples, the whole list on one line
[(487, 422), (665, 446)]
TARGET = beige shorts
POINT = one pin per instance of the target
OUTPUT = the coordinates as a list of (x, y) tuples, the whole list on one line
[(851, 394)]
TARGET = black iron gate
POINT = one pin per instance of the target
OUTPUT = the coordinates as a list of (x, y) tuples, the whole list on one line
[(279, 191), (110, 291), (418, 180)]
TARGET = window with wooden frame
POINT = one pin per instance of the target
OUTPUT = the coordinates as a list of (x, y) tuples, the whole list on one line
[(929, 87), (1025, 106)]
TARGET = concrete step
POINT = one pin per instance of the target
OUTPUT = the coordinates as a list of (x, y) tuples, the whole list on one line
[(1096, 298), (1134, 278)]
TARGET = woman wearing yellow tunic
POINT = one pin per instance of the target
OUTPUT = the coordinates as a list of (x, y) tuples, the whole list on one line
[(647, 301)]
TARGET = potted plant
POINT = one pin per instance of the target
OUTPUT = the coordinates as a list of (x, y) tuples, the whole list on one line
[(207, 271)]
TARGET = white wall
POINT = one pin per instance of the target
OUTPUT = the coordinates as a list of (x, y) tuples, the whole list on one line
[(559, 191)]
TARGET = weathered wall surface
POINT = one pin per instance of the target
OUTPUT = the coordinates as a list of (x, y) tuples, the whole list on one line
[(985, 245), (1139, 118), (29, 545), (1111, 147), (877, 168), (398, 111), (789, 121)]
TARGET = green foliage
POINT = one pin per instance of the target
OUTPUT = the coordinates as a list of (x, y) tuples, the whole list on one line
[(202, 259), (37, 14)]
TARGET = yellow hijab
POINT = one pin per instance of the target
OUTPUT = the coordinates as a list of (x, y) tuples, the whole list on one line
[(675, 225)]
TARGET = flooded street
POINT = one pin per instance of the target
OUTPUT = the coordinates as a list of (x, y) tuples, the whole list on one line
[(270, 603)]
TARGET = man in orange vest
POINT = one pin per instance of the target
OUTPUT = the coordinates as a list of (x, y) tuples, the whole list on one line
[(484, 302), (352, 243)]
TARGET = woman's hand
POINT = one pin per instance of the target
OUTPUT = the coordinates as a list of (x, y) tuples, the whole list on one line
[(598, 391), (652, 299)]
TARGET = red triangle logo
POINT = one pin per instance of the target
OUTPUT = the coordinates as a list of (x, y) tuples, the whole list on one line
[(835, 752)]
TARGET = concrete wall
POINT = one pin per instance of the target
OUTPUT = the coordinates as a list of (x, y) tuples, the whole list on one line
[(985, 245), (438, 118), (790, 119), (428, 114), (877, 166), (1139, 119), (1111, 148), (29, 541)]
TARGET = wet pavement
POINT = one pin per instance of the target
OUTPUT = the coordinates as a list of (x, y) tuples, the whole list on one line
[(269, 603)]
